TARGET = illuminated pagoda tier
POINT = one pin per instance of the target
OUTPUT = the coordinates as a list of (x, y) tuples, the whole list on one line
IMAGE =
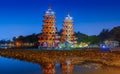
[(67, 30), (48, 38)]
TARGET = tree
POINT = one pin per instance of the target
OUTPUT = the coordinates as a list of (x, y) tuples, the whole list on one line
[(27, 39), (81, 37), (104, 35), (115, 34)]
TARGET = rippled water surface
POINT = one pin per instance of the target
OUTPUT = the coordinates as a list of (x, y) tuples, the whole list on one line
[(12, 66)]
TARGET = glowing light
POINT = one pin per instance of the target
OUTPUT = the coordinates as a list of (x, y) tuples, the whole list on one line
[(104, 46), (80, 46)]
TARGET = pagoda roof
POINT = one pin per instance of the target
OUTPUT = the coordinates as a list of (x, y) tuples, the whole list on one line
[(68, 17), (49, 12)]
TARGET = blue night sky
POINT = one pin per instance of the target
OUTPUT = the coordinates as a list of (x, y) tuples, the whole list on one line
[(24, 17)]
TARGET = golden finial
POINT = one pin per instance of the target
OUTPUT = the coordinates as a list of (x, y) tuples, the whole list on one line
[(49, 7)]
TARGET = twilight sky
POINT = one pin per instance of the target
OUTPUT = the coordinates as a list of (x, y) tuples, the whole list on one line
[(24, 17)]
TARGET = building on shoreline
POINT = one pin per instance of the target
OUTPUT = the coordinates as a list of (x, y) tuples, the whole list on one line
[(49, 36), (67, 30), (4, 44)]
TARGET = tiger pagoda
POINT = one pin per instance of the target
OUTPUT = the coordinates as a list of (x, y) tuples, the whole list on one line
[(49, 36), (67, 31)]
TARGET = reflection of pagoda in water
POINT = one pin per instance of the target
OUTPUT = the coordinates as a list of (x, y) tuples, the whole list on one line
[(50, 68), (67, 67), (49, 36)]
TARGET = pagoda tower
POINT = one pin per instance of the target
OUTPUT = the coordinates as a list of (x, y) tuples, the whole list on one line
[(67, 30), (47, 38)]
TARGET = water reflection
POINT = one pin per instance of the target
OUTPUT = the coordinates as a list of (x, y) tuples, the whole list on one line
[(10, 66), (48, 68), (66, 67), (13, 66)]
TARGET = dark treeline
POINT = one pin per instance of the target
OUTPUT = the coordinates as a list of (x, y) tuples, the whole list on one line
[(27, 39), (105, 34), (5, 41)]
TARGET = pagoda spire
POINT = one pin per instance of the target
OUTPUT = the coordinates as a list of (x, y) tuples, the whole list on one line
[(49, 11), (49, 7), (68, 15), (67, 30)]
